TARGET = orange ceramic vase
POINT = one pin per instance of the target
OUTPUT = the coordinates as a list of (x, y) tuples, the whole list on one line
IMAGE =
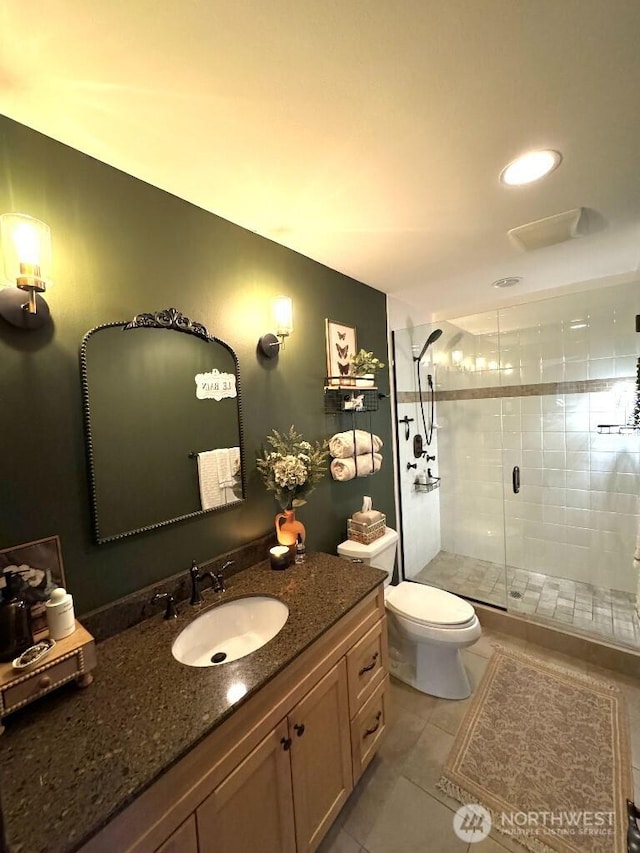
[(288, 529)]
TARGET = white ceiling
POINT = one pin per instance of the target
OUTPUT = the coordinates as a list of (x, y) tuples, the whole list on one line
[(366, 134)]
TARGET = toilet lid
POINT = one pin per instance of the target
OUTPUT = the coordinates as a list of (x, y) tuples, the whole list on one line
[(429, 605)]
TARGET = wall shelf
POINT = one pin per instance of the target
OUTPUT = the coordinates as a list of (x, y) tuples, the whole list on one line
[(617, 429), (350, 399), (426, 487)]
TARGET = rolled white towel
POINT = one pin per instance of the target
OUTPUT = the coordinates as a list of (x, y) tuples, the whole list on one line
[(345, 469), (342, 445)]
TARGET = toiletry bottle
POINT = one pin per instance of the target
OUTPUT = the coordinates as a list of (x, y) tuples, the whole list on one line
[(301, 551), (60, 615), (15, 619)]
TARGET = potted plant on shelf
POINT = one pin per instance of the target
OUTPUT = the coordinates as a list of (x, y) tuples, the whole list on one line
[(363, 366)]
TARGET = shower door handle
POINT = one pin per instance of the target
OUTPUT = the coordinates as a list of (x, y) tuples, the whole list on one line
[(515, 479)]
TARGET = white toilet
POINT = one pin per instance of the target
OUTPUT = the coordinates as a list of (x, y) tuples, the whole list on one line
[(427, 626)]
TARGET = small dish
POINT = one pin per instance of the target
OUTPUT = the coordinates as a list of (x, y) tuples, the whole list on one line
[(33, 654)]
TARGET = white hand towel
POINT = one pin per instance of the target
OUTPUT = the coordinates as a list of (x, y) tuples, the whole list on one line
[(342, 445), (210, 493), (345, 469), (223, 458)]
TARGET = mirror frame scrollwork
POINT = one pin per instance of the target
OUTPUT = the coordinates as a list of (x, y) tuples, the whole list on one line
[(172, 320)]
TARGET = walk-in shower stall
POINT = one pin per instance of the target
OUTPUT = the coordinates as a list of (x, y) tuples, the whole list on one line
[(522, 490)]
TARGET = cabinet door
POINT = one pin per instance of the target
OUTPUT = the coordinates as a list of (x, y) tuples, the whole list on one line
[(252, 809), (183, 840), (320, 757)]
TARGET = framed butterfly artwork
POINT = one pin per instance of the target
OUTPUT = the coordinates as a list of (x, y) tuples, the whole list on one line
[(341, 345)]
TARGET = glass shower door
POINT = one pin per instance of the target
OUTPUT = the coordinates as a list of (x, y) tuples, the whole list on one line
[(571, 529), (453, 534)]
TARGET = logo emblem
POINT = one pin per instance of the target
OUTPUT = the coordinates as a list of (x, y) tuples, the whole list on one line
[(472, 823)]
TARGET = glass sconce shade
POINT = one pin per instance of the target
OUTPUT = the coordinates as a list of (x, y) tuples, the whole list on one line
[(25, 244), (282, 315), (26, 251), (282, 309)]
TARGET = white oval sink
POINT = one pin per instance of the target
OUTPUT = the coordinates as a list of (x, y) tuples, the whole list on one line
[(230, 631)]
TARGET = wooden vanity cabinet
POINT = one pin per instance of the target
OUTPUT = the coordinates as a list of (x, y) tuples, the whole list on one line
[(183, 840), (252, 809), (274, 776), (286, 794), (320, 757)]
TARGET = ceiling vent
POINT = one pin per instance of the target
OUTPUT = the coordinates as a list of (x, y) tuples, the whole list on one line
[(548, 231)]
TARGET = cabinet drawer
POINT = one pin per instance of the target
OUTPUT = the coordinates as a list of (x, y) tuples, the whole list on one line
[(368, 727), (41, 681), (366, 665)]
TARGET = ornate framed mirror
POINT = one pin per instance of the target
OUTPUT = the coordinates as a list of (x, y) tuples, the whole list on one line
[(163, 423)]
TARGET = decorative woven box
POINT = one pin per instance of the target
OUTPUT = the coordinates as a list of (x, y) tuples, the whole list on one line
[(366, 533)]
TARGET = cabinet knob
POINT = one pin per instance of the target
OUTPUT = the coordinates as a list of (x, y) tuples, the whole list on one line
[(286, 743), (44, 681), (299, 728)]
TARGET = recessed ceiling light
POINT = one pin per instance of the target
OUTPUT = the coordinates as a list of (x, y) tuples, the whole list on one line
[(578, 324), (507, 282), (530, 167)]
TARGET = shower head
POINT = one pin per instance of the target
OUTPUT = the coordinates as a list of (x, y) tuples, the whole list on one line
[(433, 337)]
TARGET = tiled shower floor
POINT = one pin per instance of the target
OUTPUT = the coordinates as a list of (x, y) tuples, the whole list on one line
[(589, 609)]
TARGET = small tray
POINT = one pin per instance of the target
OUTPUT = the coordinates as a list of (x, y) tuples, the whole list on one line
[(33, 654)]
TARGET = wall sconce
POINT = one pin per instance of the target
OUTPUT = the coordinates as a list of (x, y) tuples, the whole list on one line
[(26, 250), (282, 313)]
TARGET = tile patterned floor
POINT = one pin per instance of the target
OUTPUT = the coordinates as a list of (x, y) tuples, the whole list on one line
[(396, 808), (591, 610)]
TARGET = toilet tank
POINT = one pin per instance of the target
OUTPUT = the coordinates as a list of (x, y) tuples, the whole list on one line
[(381, 553)]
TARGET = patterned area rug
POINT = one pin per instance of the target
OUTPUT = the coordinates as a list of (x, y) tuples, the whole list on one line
[(546, 752)]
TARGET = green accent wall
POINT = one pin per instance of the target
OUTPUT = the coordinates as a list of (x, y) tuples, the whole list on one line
[(122, 247)]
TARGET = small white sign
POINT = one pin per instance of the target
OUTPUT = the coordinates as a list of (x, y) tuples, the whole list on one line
[(215, 385)]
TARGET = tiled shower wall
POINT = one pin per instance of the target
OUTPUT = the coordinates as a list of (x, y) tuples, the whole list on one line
[(576, 514), (528, 386)]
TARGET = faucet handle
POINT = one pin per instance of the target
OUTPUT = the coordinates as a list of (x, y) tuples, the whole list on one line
[(217, 578), (170, 611)]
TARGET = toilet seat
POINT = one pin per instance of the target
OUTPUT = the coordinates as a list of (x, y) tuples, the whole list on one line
[(429, 606)]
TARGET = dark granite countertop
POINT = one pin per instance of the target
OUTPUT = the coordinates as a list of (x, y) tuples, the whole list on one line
[(72, 760)]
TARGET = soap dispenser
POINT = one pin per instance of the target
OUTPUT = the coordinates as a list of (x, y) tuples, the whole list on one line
[(15, 619), (60, 614)]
